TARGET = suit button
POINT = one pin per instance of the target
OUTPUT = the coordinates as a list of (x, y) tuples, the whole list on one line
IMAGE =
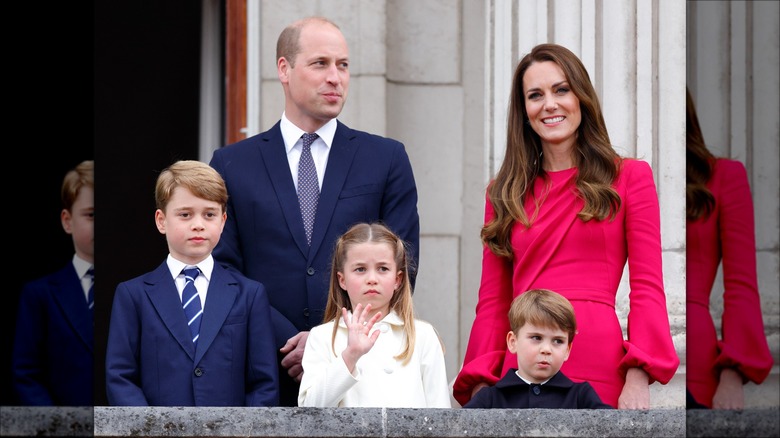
[(537, 390), (306, 312), (198, 372), (310, 271)]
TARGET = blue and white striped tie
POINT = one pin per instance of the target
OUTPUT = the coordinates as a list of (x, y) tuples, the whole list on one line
[(191, 302), (91, 293)]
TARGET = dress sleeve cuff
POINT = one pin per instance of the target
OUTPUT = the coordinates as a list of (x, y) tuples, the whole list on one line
[(754, 369), (658, 368)]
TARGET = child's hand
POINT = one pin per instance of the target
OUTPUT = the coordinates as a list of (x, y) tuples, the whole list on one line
[(359, 341)]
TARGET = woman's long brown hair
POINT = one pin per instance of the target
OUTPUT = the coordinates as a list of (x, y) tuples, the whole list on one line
[(594, 156), (699, 201)]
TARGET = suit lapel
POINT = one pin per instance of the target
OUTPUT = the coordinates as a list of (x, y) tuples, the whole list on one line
[(71, 300), (161, 290), (342, 153), (275, 158), (223, 289)]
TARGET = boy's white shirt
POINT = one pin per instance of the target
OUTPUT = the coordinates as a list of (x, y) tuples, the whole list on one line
[(379, 380)]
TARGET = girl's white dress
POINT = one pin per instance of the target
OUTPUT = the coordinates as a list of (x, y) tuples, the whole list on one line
[(380, 380)]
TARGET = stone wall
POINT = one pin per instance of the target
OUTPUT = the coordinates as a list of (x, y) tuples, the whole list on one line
[(381, 422)]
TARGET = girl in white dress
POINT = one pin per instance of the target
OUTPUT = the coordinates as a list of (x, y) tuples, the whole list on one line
[(371, 351)]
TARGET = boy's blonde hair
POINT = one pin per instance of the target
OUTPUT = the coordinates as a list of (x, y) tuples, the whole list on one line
[(544, 308), (83, 175), (401, 302), (198, 177)]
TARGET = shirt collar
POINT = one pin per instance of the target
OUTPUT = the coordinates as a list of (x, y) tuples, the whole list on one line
[(517, 372), (81, 266), (206, 266), (291, 133)]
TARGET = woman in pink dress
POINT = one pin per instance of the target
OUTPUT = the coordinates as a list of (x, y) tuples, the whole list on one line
[(721, 228), (565, 212)]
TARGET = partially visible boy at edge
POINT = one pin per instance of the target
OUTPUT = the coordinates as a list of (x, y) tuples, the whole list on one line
[(52, 359)]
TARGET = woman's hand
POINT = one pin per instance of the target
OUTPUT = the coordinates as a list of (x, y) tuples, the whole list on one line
[(636, 390), (730, 393), (359, 341)]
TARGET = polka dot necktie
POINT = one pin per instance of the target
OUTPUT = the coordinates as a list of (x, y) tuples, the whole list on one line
[(308, 185)]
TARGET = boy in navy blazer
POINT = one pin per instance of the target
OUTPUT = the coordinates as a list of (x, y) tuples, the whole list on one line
[(52, 354), (543, 328), (361, 178), (222, 355)]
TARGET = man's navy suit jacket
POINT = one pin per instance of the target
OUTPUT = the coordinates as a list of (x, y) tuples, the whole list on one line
[(52, 356), (368, 179), (151, 360)]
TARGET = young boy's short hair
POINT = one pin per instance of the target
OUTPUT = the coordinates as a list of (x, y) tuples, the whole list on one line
[(197, 177), (544, 308), (83, 175)]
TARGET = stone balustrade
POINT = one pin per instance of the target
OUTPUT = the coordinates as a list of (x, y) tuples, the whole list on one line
[(381, 422)]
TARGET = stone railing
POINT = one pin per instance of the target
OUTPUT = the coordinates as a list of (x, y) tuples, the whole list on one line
[(378, 422)]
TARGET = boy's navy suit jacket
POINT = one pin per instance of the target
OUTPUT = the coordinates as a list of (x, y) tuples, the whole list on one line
[(151, 360), (52, 356)]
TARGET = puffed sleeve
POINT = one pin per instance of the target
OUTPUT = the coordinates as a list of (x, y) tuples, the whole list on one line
[(649, 344), (743, 346), (487, 342)]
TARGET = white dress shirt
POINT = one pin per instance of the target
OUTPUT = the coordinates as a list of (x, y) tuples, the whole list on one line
[(206, 267), (320, 149), (82, 266)]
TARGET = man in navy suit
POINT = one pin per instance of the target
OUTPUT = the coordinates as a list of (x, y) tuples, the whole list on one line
[(223, 352), (361, 178), (52, 354)]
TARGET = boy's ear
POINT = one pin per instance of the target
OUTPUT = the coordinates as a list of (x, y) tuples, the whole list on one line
[(568, 352), (159, 220), (511, 342), (65, 219)]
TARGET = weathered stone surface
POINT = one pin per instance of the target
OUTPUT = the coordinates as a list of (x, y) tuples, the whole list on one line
[(378, 422)]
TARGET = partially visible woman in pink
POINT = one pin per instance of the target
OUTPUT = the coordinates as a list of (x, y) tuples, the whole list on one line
[(721, 228), (565, 212)]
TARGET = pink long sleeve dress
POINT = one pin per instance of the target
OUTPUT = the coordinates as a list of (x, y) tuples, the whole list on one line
[(728, 234), (584, 262)]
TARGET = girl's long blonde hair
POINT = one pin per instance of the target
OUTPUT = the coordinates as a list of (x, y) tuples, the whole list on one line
[(401, 302)]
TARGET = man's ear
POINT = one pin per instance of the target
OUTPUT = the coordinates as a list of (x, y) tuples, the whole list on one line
[(283, 69)]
